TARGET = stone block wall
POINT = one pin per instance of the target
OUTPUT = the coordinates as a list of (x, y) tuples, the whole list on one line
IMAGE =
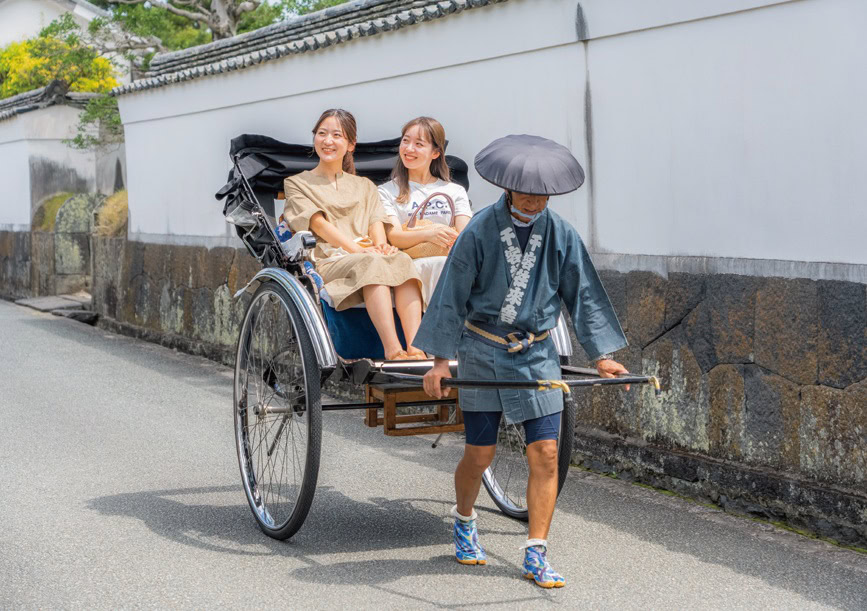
[(762, 377), (764, 400), (42, 264), (179, 296), (15, 264), (35, 263)]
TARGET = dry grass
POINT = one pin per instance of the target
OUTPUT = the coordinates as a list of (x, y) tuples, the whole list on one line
[(46, 214), (112, 217)]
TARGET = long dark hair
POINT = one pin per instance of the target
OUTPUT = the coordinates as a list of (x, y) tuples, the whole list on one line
[(436, 134), (350, 132)]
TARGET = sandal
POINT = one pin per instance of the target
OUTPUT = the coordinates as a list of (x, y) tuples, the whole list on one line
[(537, 569), (415, 354), (400, 355), (466, 536)]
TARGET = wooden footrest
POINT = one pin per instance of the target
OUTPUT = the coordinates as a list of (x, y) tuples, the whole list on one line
[(392, 395)]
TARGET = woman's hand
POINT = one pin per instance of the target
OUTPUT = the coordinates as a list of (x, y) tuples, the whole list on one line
[(441, 235), (380, 249), (386, 249)]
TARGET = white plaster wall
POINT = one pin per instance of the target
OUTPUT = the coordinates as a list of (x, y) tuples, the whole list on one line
[(35, 163), (107, 174), (603, 18), (15, 178), (20, 19), (722, 129), (739, 136), (53, 123), (181, 134), (56, 168)]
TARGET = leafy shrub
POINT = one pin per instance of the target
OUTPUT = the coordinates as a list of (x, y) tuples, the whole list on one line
[(112, 216), (57, 53), (46, 214)]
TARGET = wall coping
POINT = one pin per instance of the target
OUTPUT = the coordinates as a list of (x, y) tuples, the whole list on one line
[(53, 93), (304, 34)]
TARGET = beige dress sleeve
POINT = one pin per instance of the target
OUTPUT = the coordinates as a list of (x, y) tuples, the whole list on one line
[(299, 206)]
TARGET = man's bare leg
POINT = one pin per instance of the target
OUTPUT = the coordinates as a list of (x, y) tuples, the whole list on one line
[(541, 497), (468, 479), (542, 486), (468, 475)]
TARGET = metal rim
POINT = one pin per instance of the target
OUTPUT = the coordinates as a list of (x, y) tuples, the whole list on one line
[(273, 430)]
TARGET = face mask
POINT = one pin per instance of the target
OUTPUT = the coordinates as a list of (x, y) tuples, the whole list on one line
[(521, 223)]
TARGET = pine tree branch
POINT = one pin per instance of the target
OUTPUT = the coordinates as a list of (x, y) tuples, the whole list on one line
[(201, 14)]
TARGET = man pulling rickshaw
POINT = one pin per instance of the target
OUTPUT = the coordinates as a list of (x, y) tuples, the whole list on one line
[(498, 298), (497, 307)]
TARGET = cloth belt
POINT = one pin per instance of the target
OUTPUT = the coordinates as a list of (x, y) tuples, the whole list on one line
[(514, 341)]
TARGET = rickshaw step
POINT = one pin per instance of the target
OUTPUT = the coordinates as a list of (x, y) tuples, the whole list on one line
[(392, 396)]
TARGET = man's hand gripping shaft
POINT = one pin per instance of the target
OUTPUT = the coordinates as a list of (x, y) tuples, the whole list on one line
[(432, 378)]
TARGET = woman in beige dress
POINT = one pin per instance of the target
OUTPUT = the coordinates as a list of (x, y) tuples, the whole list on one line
[(342, 209)]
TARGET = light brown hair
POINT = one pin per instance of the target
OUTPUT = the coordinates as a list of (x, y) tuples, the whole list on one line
[(436, 135), (350, 132)]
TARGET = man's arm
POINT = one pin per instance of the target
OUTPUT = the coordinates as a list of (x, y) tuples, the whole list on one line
[(593, 317), (443, 322)]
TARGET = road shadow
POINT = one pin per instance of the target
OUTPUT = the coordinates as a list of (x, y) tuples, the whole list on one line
[(381, 573), (817, 571), (336, 522)]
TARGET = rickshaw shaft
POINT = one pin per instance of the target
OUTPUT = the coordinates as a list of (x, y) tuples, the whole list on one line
[(333, 407)]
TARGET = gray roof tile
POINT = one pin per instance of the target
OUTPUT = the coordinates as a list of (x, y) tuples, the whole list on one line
[(53, 93), (303, 34)]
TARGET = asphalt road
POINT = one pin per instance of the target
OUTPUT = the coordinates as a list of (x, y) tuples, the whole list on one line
[(119, 487)]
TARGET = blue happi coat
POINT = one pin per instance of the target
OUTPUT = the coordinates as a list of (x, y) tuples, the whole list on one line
[(554, 268)]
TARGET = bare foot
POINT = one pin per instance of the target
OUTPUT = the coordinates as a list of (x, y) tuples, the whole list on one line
[(415, 354)]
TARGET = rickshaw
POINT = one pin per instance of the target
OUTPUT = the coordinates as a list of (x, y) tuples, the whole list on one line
[(292, 342)]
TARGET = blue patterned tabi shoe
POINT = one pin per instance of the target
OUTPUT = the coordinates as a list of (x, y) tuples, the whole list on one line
[(536, 565), (467, 548)]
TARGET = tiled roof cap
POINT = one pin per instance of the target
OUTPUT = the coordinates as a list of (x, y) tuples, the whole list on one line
[(325, 28), (53, 93)]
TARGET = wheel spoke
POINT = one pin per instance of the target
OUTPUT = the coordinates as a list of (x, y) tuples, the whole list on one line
[(272, 373)]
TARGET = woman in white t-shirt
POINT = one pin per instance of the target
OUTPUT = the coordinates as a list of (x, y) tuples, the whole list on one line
[(420, 172)]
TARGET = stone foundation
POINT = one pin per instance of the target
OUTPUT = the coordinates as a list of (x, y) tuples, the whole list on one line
[(15, 264), (764, 400), (764, 397), (179, 296)]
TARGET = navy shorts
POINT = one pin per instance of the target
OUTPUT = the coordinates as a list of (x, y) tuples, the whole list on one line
[(481, 427)]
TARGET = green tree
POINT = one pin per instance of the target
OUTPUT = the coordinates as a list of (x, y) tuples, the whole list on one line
[(219, 18), (58, 52), (99, 126), (138, 29)]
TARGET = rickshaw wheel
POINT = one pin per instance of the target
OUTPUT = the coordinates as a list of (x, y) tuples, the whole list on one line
[(278, 412), (506, 478)]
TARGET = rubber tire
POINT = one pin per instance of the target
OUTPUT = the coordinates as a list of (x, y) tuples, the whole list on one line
[(313, 390)]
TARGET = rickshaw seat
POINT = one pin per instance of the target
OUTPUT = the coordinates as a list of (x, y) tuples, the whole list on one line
[(351, 330)]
